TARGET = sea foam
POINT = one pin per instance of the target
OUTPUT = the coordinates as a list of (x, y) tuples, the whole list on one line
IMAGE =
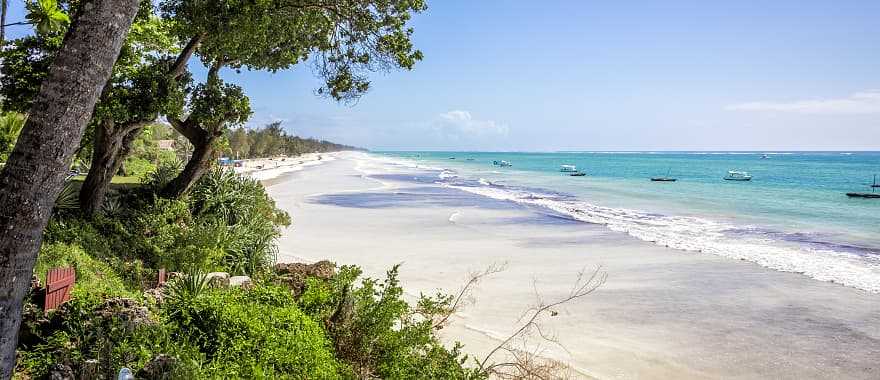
[(696, 234)]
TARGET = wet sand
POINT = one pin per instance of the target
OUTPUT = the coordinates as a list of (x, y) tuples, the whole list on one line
[(662, 313)]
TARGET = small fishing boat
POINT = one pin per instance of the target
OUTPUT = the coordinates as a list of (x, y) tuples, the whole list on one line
[(863, 195), (451, 158), (735, 175), (501, 163), (665, 178), (568, 169), (764, 156), (872, 194), (468, 159), (578, 174)]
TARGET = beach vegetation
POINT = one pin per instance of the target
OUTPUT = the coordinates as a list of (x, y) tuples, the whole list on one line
[(272, 140)]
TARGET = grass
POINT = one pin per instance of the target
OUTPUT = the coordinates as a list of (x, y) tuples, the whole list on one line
[(119, 180)]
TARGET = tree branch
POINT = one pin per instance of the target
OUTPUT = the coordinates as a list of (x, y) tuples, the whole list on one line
[(179, 66)]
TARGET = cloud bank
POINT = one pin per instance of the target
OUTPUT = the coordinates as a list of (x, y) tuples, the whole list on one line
[(461, 125), (860, 103)]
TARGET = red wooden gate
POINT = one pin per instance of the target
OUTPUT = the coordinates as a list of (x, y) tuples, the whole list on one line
[(59, 283)]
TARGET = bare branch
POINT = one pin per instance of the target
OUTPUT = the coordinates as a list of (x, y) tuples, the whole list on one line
[(530, 365), (464, 295)]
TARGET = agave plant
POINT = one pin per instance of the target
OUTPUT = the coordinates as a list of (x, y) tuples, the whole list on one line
[(164, 173), (68, 199), (188, 287)]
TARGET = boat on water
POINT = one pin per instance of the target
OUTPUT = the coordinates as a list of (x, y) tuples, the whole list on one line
[(872, 194), (764, 156), (568, 169), (863, 195), (451, 158), (501, 163), (578, 174), (665, 178), (736, 175)]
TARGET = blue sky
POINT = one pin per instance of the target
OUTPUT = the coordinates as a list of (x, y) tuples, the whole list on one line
[(610, 75)]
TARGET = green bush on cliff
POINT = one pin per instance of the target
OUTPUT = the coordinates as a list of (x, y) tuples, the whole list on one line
[(377, 333), (228, 223), (258, 333)]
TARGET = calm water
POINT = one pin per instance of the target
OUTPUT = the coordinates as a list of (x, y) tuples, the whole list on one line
[(793, 215)]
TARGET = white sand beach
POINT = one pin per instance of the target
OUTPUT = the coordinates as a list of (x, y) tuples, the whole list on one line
[(264, 169), (662, 314)]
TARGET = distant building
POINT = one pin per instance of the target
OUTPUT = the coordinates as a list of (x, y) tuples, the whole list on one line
[(166, 144)]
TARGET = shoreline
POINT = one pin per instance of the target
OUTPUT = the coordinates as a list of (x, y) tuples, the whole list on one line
[(663, 313)]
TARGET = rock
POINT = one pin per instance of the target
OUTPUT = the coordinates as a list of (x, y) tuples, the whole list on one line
[(61, 372), (294, 275), (218, 279), (156, 294), (323, 269), (159, 367), (126, 310), (244, 281), (90, 369)]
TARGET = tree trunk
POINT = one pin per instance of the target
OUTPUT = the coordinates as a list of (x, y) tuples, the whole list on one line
[(199, 163), (3, 5), (34, 174), (112, 146)]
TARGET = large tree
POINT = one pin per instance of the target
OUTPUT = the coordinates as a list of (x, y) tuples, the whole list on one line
[(145, 84), (345, 39), (34, 174)]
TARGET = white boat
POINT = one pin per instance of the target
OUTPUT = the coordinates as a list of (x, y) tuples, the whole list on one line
[(568, 169), (501, 163), (735, 175)]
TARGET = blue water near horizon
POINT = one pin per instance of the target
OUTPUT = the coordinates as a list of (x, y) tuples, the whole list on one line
[(793, 215)]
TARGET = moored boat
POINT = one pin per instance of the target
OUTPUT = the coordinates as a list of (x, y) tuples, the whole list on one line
[(665, 178), (863, 195), (578, 174), (735, 175), (568, 169), (872, 194)]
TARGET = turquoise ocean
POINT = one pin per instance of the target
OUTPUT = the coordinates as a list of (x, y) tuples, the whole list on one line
[(792, 216)]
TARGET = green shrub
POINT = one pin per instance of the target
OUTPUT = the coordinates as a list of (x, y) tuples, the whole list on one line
[(93, 277), (251, 219), (87, 329), (377, 333), (256, 333)]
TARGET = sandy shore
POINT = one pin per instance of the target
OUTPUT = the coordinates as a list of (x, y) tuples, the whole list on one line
[(663, 313), (270, 168)]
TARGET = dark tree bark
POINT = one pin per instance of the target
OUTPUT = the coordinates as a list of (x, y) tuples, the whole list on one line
[(113, 144), (34, 174), (200, 161), (3, 5)]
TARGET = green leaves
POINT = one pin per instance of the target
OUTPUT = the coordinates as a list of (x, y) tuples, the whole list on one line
[(47, 16), (11, 124)]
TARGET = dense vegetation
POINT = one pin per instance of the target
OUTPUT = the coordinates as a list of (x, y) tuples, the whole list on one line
[(273, 140), (334, 326), (98, 112)]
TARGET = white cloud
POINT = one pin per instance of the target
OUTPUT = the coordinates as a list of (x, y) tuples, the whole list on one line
[(860, 103), (458, 124)]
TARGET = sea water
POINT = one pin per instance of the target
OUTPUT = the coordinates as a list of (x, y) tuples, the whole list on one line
[(792, 216)]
